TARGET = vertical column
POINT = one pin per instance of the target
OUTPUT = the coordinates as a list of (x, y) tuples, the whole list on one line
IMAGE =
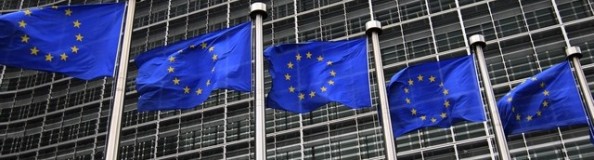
[(258, 12), (574, 54), (113, 138), (373, 29), (477, 42)]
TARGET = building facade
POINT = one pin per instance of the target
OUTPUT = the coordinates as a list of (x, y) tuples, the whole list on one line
[(51, 116)]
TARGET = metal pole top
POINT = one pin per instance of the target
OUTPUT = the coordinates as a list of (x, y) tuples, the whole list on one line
[(258, 8), (477, 40), (373, 26), (573, 51)]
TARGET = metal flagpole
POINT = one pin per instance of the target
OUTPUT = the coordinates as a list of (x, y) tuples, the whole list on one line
[(477, 42), (258, 12), (373, 29), (118, 104), (574, 54)]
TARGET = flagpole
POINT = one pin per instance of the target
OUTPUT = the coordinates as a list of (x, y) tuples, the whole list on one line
[(373, 29), (258, 12), (574, 54), (477, 42), (118, 104)]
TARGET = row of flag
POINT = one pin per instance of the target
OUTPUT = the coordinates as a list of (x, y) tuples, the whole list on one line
[(82, 42)]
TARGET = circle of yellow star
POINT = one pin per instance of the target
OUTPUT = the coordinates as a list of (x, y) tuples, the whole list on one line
[(203, 45), (443, 115), (25, 39), (410, 82), (431, 79), (329, 63), (22, 24), (423, 118), (210, 49), (323, 89), (407, 101), (287, 77), (301, 96), (215, 57), (27, 12), (320, 58), (63, 57), (79, 37), (406, 90), (176, 81), (74, 49), (186, 90), (433, 120), (420, 77), (413, 111), (291, 89), (49, 57), (290, 65), (546, 93), (208, 82), (170, 69), (539, 113), (76, 24), (199, 91), (446, 103), (68, 12), (529, 118), (446, 92), (308, 55), (545, 104), (518, 117), (171, 59), (331, 82), (332, 73), (298, 57), (34, 51), (312, 94)]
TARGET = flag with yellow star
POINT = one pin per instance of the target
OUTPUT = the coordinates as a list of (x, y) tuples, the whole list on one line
[(79, 41), (545, 101), (183, 74), (308, 75), (435, 94)]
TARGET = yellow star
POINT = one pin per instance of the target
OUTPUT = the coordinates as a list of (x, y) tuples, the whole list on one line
[(204, 45), (420, 77), (410, 82), (287, 77), (312, 94), (320, 58), (291, 89), (76, 24), (407, 101), (413, 111), (68, 12), (27, 12), (518, 117), (331, 82), (34, 51), (406, 90), (545, 104), (441, 84), (301, 96), (210, 49), (170, 69), (186, 90), (509, 99), (25, 39), (443, 115), (298, 57), (215, 57), (433, 120), (49, 57), (290, 65), (446, 104), (63, 56), (176, 81), (323, 89), (446, 92), (74, 49), (213, 69), (208, 82), (542, 84), (22, 24), (79, 37), (199, 91), (308, 55), (192, 46), (513, 109), (529, 118), (539, 113), (171, 59), (546, 93), (423, 118), (329, 63), (431, 79), (332, 73)]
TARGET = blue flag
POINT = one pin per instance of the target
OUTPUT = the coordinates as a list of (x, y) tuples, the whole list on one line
[(79, 41), (545, 101), (306, 76), (182, 75), (435, 94)]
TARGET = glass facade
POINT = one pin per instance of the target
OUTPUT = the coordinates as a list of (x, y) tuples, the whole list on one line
[(51, 116)]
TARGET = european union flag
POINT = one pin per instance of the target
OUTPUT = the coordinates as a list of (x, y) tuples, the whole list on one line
[(545, 101), (79, 41), (435, 94), (182, 75), (306, 76)]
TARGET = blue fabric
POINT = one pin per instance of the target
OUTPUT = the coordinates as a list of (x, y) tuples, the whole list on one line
[(545, 101), (182, 75), (307, 76), (46, 39), (435, 94)]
